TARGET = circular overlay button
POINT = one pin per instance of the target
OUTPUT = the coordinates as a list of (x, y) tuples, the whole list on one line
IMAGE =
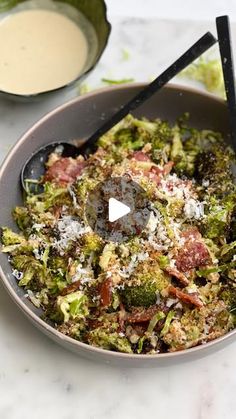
[(118, 209)]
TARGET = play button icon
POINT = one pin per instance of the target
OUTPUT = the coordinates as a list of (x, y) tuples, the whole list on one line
[(117, 209)]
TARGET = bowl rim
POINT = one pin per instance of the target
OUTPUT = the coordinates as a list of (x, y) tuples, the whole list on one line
[(55, 334), (80, 77)]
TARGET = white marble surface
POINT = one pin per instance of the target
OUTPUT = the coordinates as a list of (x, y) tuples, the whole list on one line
[(40, 380), (173, 9)]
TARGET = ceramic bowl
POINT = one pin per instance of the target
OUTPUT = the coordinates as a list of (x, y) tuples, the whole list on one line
[(78, 119), (78, 11)]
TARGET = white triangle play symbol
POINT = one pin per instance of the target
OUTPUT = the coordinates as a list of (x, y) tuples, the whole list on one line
[(116, 210)]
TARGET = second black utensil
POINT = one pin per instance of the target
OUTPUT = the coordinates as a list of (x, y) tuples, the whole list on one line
[(224, 39)]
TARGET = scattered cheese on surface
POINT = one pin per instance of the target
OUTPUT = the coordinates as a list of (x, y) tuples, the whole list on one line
[(69, 230), (17, 274), (194, 209)]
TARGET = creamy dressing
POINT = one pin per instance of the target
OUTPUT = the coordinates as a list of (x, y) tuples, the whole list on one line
[(40, 50)]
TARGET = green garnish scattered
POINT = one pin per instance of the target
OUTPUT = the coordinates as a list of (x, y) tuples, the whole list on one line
[(209, 72), (117, 81)]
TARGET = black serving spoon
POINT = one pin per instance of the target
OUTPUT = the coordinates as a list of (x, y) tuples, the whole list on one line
[(34, 168), (226, 54)]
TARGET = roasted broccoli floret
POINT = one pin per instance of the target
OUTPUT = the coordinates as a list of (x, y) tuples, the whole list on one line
[(92, 243), (144, 286), (164, 133), (22, 217), (125, 135), (228, 295), (146, 129), (58, 263), (215, 223), (73, 328), (177, 155), (184, 152), (174, 207), (102, 338), (217, 218), (143, 295), (52, 195), (227, 252), (213, 167), (10, 238), (128, 139), (83, 186), (31, 269), (14, 243)]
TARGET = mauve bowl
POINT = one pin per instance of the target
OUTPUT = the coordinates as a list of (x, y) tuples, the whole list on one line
[(77, 120)]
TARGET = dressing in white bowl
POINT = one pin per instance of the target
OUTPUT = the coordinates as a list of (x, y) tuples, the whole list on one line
[(40, 50)]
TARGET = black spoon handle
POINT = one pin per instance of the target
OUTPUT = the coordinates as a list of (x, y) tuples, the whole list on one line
[(205, 42), (224, 39)]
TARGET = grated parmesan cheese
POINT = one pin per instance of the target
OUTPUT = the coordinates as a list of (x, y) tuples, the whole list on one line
[(82, 274), (74, 197), (194, 209), (153, 221), (38, 226), (126, 271), (170, 302), (38, 255), (17, 274), (69, 230)]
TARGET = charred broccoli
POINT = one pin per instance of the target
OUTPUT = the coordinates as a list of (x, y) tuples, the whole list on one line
[(30, 268), (113, 341), (143, 295), (22, 217), (145, 286), (217, 218), (10, 238), (213, 167)]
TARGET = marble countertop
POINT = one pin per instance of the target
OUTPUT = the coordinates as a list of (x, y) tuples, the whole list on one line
[(41, 380)]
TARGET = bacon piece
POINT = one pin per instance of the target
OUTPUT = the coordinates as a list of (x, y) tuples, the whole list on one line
[(140, 329), (70, 288), (106, 292), (140, 156), (167, 168), (194, 253), (191, 233), (156, 173), (178, 183), (57, 212), (179, 275), (142, 315), (64, 171), (186, 298), (154, 176)]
